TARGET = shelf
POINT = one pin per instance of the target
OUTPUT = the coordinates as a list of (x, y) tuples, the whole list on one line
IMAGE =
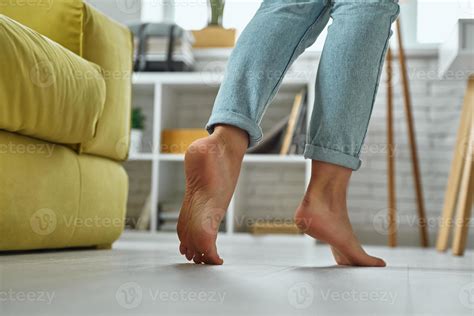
[(194, 78), (248, 158), (184, 100), (141, 157)]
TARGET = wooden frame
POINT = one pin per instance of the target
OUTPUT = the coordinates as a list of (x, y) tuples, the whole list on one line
[(460, 186), (392, 224)]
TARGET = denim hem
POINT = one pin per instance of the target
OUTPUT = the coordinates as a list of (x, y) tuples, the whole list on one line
[(332, 156), (237, 120)]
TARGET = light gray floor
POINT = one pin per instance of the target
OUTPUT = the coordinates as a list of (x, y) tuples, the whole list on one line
[(261, 276)]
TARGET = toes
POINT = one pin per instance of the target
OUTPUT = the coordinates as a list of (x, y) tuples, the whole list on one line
[(182, 249), (211, 257), (369, 261), (189, 254), (213, 260), (379, 262), (197, 258)]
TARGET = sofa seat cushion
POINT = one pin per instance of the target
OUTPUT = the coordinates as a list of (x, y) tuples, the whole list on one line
[(53, 198), (59, 20), (46, 91)]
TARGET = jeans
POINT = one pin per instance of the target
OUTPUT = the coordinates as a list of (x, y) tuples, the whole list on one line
[(347, 77)]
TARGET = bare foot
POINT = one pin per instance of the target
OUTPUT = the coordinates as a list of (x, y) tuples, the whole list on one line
[(323, 215), (212, 166)]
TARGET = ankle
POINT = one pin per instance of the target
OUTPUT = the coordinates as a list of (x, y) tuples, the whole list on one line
[(232, 139), (328, 184)]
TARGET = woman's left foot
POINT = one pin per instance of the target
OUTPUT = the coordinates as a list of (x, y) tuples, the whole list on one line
[(326, 219)]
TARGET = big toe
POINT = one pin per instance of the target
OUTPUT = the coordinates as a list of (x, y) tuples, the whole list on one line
[(369, 261), (378, 262), (212, 257)]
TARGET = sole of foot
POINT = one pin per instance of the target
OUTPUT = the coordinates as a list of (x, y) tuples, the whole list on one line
[(211, 174)]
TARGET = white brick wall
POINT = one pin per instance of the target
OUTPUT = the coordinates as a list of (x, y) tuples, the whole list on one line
[(274, 191), (436, 109)]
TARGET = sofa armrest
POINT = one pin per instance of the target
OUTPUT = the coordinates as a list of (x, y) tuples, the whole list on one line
[(46, 91)]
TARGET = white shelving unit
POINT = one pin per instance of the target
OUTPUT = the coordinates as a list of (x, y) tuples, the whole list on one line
[(162, 91)]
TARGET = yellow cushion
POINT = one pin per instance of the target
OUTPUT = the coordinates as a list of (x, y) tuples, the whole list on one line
[(46, 91), (50, 197), (109, 45), (59, 20)]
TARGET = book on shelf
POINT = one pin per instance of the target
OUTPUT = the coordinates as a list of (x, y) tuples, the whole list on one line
[(295, 122), (299, 137), (287, 136), (168, 213), (271, 141)]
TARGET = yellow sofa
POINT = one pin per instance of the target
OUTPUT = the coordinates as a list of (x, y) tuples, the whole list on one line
[(65, 91)]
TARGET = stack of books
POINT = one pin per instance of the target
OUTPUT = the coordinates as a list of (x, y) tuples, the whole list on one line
[(162, 47), (168, 214)]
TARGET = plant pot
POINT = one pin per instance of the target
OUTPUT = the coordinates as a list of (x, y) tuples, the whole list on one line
[(214, 37), (136, 137)]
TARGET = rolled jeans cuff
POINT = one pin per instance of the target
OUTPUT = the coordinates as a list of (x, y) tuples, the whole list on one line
[(331, 156), (237, 120)]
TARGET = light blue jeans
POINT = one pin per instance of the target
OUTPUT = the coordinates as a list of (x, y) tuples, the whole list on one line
[(347, 79)]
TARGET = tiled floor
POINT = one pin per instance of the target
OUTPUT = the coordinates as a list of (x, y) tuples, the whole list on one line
[(261, 276)]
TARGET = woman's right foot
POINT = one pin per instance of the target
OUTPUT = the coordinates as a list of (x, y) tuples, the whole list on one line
[(212, 166)]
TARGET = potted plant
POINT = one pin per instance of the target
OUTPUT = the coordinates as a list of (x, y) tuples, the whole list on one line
[(216, 12), (215, 35), (136, 135)]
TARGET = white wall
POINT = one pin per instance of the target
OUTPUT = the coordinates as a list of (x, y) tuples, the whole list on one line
[(424, 22), (437, 18)]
